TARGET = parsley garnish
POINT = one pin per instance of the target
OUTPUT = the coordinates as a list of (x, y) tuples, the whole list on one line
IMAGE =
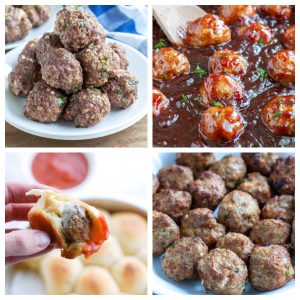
[(217, 103), (262, 74), (61, 101), (261, 43), (164, 76), (102, 58), (81, 24), (277, 114), (199, 71), (104, 74), (162, 43), (197, 99), (280, 100), (184, 98)]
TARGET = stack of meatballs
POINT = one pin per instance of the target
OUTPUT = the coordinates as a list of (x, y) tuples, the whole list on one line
[(252, 238), (73, 73)]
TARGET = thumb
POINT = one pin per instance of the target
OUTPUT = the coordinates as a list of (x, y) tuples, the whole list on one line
[(25, 242)]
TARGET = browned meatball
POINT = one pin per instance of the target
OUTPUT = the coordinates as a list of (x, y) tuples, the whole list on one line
[(232, 13), (238, 243), (281, 208), (281, 12), (173, 203), (29, 51), (222, 272), (121, 52), (293, 234), (270, 267), (164, 231), (231, 168), (181, 258), (239, 211), (288, 37), (155, 184), (37, 14), (283, 176)]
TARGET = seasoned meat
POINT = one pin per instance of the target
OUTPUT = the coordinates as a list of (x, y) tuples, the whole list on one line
[(293, 234), (29, 51), (155, 184), (37, 14), (232, 13), (121, 52)]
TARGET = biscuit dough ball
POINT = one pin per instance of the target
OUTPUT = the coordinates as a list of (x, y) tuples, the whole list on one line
[(37, 14), (232, 13), (142, 254)]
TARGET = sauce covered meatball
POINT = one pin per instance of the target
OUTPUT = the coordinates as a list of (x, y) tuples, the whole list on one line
[(37, 14), (280, 12), (288, 37), (121, 52), (159, 101), (232, 13)]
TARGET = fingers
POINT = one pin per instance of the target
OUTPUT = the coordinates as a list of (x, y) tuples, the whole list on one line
[(17, 212)]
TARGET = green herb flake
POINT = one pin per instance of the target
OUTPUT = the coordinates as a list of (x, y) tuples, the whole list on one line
[(198, 99), (217, 103), (261, 43), (92, 46), (184, 98), (61, 101), (262, 74), (102, 58), (164, 76), (199, 71), (236, 270), (161, 44), (104, 74), (277, 114), (280, 100), (81, 24)]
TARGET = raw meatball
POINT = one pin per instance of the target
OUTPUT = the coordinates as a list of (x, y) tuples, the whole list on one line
[(281, 208), (231, 168), (232, 13), (122, 89), (164, 231), (78, 29), (209, 190), (61, 70), (29, 51), (283, 176), (257, 186), (206, 31), (238, 243), (222, 272), (37, 14), (121, 52), (270, 267), (281, 12), (176, 178), (160, 102), (87, 108), (239, 211), (201, 222), (173, 203), (180, 260), (293, 235), (155, 184), (288, 37), (44, 103)]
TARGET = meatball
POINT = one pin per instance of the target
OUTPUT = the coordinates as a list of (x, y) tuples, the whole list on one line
[(202, 223), (44, 103), (283, 176), (159, 101), (260, 162), (173, 203), (281, 12), (198, 162), (155, 184), (293, 235), (61, 70), (238, 243), (232, 170), (206, 31), (228, 62), (279, 115), (281, 208), (281, 66), (288, 37), (222, 272), (180, 260), (78, 29), (87, 108), (169, 63), (165, 231), (257, 186), (122, 89), (17, 24), (121, 52), (209, 190), (221, 124), (270, 267), (176, 177), (239, 211), (29, 51), (37, 14), (232, 13)]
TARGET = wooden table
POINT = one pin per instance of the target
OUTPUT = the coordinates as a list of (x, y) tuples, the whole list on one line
[(134, 136)]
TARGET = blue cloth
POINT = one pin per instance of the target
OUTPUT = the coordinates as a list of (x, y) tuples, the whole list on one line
[(125, 23)]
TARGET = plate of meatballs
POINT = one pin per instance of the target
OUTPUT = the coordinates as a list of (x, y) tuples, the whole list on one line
[(223, 224), (230, 82), (74, 83)]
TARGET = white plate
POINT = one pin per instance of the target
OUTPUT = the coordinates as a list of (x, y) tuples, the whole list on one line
[(162, 285), (115, 121)]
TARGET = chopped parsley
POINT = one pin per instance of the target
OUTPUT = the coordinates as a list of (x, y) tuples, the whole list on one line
[(198, 99), (104, 74), (261, 43), (277, 114), (92, 46), (164, 76), (236, 270), (184, 98), (162, 43), (81, 23), (61, 101), (280, 100), (217, 103), (199, 71), (102, 58), (262, 74)]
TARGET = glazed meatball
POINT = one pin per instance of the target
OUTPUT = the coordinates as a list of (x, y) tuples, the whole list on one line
[(164, 231), (281, 208), (159, 101), (228, 62), (121, 52), (17, 24), (238, 243), (288, 37), (206, 31), (181, 258), (232, 13), (260, 162), (44, 103), (29, 51), (122, 89), (293, 235), (232, 170), (61, 70), (221, 124), (279, 115), (198, 162), (169, 63), (270, 267), (176, 178), (37, 14), (87, 108), (257, 186), (155, 184), (173, 203), (239, 211), (78, 29), (202, 223), (281, 12), (209, 190), (281, 66), (222, 272), (283, 176)]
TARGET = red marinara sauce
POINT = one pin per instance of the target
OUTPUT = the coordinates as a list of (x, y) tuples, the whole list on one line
[(60, 170)]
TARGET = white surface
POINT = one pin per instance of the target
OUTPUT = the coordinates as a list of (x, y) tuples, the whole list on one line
[(115, 121)]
